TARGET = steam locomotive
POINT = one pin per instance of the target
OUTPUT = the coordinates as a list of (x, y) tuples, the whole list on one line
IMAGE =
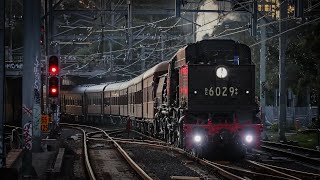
[(202, 99)]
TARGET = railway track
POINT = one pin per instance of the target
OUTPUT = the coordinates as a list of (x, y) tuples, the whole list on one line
[(256, 169), (92, 173), (299, 153), (253, 170), (205, 169), (295, 173)]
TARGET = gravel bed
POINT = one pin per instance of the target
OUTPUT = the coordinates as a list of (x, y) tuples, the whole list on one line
[(73, 159), (161, 164)]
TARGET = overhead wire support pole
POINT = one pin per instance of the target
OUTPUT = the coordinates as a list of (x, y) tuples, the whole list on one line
[(282, 74), (102, 25), (263, 75), (31, 83), (130, 35), (2, 84), (162, 48), (254, 19)]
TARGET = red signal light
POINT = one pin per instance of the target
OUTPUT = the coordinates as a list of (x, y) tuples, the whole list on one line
[(53, 65), (53, 87), (53, 70), (53, 90)]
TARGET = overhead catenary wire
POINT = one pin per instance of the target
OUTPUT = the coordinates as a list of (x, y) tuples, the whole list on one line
[(289, 18), (131, 63), (179, 46), (314, 20), (216, 37)]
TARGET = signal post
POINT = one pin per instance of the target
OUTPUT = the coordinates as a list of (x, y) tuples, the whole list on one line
[(53, 90)]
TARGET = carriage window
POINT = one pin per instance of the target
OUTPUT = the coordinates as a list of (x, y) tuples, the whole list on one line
[(145, 94)]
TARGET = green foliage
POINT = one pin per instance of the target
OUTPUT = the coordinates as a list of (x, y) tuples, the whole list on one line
[(275, 127), (302, 62), (308, 140)]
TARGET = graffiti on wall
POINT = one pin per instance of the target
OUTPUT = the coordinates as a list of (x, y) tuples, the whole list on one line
[(37, 99), (27, 134), (14, 66)]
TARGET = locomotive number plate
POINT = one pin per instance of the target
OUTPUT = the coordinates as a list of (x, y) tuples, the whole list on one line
[(221, 91)]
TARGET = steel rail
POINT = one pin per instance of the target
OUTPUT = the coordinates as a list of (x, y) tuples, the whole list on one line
[(152, 138), (161, 144), (298, 148), (135, 166), (9, 126), (254, 174), (297, 156), (208, 163), (300, 174), (120, 130), (85, 149), (272, 171), (148, 141), (248, 173), (167, 146), (134, 142)]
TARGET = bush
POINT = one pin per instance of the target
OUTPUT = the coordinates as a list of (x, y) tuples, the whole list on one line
[(274, 127)]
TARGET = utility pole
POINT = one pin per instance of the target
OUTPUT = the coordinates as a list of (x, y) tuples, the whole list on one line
[(143, 59), (162, 48), (263, 75), (194, 27), (31, 83), (130, 37), (254, 19), (282, 75), (37, 84), (112, 20), (102, 22), (2, 84), (49, 49)]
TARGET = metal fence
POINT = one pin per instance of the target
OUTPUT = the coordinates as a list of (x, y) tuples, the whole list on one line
[(296, 116)]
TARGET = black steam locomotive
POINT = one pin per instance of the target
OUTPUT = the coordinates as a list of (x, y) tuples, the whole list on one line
[(202, 99)]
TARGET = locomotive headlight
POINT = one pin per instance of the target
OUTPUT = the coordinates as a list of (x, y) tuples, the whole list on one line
[(249, 138), (221, 72), (197, 138)]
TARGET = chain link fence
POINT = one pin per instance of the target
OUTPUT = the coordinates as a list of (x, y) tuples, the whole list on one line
[(296, 116)]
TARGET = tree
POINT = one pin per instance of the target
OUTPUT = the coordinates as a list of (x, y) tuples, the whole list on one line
[(302, 63)]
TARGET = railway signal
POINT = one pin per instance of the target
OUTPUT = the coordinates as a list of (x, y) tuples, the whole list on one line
[(53, 65), (53, 87), (53, 72)]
